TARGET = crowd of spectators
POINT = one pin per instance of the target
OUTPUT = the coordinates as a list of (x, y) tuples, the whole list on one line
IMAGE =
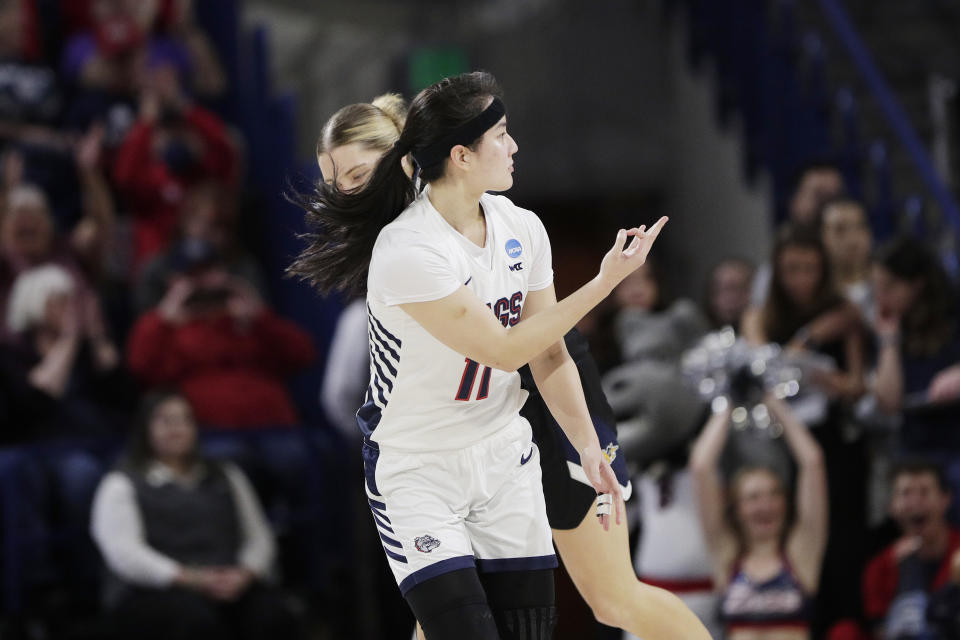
[(124, 284), (873, 328), (138, 350)]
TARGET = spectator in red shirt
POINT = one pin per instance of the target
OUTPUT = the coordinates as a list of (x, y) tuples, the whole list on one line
[(174, 144), (212, 337), (899, 582)]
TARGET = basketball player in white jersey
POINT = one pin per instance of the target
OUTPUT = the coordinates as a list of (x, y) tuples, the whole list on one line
[(460, 294), (351, 142)]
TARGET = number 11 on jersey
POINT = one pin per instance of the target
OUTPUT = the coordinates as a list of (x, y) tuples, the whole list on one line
[(469, 377)]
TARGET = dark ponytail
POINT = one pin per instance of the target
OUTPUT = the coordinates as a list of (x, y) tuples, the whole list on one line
[(343, 226)]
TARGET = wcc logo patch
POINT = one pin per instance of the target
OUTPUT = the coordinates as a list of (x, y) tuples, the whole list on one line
[(513, 248), (426, 543)]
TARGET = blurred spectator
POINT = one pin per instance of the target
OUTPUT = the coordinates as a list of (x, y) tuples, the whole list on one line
[(119, 49), (766, 560), (123, 38), (213, 337), (348, 370), (816, 183), (671, 552), (31, 96), (728, 292), (803, 312), (918, 345), (61, 348), (811, 321), (846, 235), (173, 145), (658, 416), (67, 393), (943, 612), (648, 324), (207, 78), (28, 232), (185, 538), (899, 582), (207, 217)]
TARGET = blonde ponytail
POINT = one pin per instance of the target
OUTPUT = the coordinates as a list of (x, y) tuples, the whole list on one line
[(376, 125), (394, 106)]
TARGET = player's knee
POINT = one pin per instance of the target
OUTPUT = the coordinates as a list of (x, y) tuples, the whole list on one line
[(606, 605), (522, 603), (530, 623), (453, 606), (607, 613)]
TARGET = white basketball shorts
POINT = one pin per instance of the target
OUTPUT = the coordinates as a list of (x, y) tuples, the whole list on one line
[(480, 507)]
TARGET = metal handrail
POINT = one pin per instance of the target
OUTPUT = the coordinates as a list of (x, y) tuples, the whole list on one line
[(897, 118)]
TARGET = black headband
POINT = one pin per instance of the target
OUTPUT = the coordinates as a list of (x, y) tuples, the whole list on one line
[(464, 134)]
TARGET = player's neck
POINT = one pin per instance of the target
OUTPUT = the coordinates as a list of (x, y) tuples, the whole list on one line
[(459, 206)]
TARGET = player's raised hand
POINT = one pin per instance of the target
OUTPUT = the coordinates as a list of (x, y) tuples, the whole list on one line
[(621, 261)]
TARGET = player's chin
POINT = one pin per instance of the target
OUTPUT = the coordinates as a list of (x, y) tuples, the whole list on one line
[(504, 183)]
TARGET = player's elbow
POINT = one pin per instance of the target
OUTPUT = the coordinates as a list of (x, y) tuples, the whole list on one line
[(499, 355), (505, 362)]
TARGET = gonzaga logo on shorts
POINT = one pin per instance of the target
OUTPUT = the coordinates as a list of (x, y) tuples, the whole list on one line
[(514, 248), (426, 543)]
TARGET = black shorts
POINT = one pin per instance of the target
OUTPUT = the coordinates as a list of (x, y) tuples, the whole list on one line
[(567, 493)]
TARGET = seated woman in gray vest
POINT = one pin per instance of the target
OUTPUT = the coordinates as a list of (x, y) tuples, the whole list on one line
[(185, 538)]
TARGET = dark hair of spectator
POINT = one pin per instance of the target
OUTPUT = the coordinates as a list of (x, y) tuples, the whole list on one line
[(706, 301), (929, 323), (812, 166), (658, 274), (781, 316), (140, 451), (919, 466), (343, 226)]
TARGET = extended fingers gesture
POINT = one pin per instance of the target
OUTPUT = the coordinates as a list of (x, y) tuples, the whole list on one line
[(621, 261)]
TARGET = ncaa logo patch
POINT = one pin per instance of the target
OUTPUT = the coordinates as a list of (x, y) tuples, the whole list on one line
[(426, 543), (514, 248)]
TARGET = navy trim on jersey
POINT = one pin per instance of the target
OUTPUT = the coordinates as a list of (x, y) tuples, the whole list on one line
[(382, 341), (434, 570), (390, 541), (370, 454), (384, 360), (381, 376), (378, 508), (368, 416), (517, 564), (395, 556), (394, 339), (380, 523)]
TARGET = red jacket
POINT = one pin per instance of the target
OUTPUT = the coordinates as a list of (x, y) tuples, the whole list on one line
[(233, 377), (154, 194), (882, 576)]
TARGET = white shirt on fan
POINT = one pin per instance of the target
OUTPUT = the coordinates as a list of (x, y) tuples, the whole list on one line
[(423, 395)]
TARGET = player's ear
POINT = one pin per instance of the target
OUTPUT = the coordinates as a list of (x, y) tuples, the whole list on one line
[(460, 157)]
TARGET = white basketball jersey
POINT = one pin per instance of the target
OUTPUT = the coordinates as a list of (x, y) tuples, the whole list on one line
[(424, 396)]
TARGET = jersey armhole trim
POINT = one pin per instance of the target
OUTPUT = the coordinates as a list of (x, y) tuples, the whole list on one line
[(392, 301)]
